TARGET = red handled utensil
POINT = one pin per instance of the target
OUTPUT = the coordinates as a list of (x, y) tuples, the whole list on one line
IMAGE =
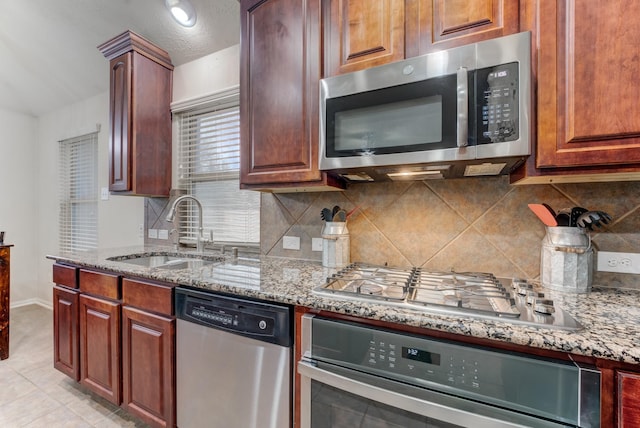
[(544, 213)]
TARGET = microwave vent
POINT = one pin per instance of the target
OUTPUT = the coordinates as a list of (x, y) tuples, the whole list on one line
[(484, 169)]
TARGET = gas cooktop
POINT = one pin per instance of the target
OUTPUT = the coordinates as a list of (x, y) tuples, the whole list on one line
[(475, 294)]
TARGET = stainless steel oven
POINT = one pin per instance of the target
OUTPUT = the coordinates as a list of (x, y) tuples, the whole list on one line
[(354, 375)]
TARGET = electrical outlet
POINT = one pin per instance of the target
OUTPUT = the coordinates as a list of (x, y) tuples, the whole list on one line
[(104, 193), (163, 234), (609, 261), (316, 244), (141, 230), (153, 233), (291, 242)]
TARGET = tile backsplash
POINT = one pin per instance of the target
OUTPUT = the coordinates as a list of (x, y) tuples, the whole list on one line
[(480, 224)]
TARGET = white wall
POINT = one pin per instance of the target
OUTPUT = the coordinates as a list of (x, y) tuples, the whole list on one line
[(118, 217), (18, 199), (209, 74)]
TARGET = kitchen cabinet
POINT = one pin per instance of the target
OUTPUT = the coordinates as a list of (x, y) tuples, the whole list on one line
[(148, 352), (5, 265), (116, 336), (100, 334), (628, 399), (140, 116), (100, 347), (66, 340), (279, 74), (359, 34), (588, 128)]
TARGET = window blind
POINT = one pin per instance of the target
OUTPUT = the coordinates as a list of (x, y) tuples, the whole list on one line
[(209, 169), (78, 220)]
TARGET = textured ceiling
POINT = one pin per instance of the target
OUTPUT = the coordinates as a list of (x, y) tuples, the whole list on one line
[(48, 54)]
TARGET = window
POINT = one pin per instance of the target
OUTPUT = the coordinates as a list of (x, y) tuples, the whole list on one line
[(78, 193), (209, 169)]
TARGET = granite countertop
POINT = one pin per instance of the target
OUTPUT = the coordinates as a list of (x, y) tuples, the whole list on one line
[(611, 318)]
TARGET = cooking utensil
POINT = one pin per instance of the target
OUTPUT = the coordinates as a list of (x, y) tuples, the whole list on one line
[(335, 210), (543, 213), (340, 216), (547, 206), (576, 212), (591, 219), (326, 214), (563, 218)]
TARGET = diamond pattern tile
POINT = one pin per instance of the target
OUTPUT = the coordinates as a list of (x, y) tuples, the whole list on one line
[(419, 223)]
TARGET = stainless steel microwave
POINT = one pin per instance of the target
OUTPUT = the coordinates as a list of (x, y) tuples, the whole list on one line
[(460, 112)]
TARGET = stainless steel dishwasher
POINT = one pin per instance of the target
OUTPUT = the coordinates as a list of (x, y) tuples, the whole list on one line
[(234, 361)]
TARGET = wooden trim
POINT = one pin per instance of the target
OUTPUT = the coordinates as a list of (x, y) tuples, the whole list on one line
[(130, 41)]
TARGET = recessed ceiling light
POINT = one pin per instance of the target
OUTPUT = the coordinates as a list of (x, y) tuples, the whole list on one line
[(182, 11)]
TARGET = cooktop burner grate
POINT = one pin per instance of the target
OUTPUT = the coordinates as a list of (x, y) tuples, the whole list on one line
[(451, 293)]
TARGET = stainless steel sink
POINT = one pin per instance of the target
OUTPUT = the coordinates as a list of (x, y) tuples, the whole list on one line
[(164, 261)]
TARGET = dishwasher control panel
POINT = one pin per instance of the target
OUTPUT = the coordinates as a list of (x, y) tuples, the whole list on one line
[(251, 318), (229, 318)]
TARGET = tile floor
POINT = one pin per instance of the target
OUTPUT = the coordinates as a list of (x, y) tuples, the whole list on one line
[(33, 394)]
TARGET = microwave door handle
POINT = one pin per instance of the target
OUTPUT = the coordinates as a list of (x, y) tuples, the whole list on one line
[(463, 107)]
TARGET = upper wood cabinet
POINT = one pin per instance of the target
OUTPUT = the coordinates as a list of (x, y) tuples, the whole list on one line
[(140, 116), (279, 75), (359, 34), (587, 83), (588, 126)]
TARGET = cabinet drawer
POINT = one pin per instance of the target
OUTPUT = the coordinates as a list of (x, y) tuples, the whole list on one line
[(65, 275), (148, 296), (100, 284)]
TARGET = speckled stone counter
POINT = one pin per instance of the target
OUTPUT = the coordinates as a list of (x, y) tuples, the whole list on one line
[(611, 318)]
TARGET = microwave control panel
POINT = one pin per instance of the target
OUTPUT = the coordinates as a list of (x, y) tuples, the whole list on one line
[(497, 103)]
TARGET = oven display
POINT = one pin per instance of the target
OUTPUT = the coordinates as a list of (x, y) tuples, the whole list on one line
[(420, 355)]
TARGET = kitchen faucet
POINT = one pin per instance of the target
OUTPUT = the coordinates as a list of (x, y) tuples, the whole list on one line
[(172, 214)]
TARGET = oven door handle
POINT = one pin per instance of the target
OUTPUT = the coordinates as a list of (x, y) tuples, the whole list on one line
[(423, 402)]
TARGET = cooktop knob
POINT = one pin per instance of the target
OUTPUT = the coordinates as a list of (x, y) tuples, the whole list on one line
[(544, 306), (532, 296), (515, 282), (523, 288)]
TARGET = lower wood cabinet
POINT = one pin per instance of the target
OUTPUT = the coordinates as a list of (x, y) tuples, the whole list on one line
[(100, 347), (628, 399), (148, 356), (116, 336), (65, 327)]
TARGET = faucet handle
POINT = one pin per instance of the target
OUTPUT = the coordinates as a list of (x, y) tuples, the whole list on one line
[(209, 238)]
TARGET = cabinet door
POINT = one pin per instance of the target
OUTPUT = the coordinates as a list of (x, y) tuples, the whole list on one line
[(100, 347), (433, 25), (279, 74), (148, 361), (359, 34), (587, 83), (65, 332), (628, 400), (120, 126)]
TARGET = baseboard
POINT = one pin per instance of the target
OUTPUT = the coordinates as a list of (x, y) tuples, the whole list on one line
[(28, 302)]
